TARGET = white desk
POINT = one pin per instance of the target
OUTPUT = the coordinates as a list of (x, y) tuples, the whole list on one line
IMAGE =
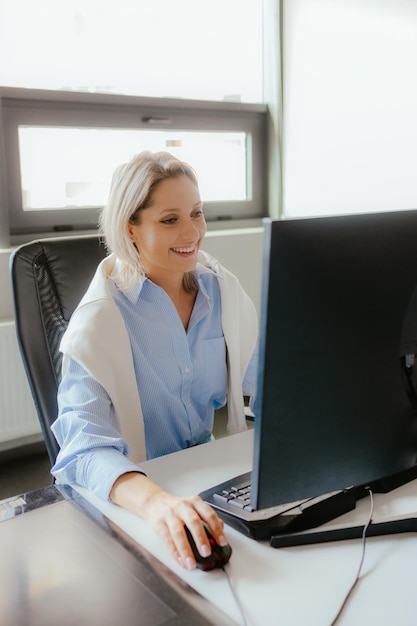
[(293, 586)]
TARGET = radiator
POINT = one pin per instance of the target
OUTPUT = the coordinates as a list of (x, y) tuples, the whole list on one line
[(18, 419)]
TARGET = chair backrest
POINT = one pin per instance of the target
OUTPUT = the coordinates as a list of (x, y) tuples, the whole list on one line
[(49, 278)]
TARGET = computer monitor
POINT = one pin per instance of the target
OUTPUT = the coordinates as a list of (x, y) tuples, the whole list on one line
[(338, 334)]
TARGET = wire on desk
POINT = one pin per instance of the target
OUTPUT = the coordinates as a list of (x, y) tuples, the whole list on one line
[(236, 599), (365, 528)]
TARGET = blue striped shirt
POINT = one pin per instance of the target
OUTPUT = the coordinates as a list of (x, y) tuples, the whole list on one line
[(181, 377)]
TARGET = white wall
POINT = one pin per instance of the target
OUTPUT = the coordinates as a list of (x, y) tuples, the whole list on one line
[(6, 307), (241, 252), (350, 103)]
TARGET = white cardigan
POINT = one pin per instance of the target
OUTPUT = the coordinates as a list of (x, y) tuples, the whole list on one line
[(105, 352)]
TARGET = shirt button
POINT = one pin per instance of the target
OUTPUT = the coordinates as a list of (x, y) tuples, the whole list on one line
[(187, 370)]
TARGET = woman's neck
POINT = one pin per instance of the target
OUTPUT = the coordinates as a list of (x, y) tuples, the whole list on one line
[(182, 298), (172, 284)]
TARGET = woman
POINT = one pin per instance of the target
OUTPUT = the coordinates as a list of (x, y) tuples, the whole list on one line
[(163, 337)]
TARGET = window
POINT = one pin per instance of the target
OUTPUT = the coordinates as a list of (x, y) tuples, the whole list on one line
[(67, 167), (161, 48), (102, 82), (62, 148), (350, 97)]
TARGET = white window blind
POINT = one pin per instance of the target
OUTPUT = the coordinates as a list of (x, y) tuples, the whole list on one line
[(350, 102)]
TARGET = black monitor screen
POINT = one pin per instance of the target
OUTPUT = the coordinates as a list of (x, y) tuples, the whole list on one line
[(337, 342)]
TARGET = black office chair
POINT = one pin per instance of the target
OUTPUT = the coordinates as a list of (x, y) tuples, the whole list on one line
[(49, 278)]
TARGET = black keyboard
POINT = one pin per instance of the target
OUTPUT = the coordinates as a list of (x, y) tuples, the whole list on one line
[(231, 500), (237, 495)]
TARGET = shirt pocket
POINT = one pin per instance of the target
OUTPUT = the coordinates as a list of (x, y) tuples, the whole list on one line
[(215, 371)]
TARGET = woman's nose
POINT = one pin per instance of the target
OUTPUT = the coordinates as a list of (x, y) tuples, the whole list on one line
[(191, 231)]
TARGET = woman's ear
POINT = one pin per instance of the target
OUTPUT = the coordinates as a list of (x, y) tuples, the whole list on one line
[(131, 231)]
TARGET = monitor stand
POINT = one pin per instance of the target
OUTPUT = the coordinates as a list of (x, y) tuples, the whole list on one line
[(400, 524), (392, 527)]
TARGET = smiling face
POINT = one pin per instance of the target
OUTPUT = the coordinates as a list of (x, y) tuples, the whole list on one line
[(170, 230)]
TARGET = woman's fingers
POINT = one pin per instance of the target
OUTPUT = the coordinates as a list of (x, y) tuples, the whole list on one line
[(173, 514), (167, 515)]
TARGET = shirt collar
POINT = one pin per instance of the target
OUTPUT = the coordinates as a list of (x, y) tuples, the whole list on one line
[(133, 292)]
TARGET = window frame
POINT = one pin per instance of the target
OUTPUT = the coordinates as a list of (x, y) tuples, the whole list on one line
[(75, 109)]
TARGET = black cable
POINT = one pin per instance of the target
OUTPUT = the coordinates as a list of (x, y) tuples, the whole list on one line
[(365, 528), (236, 598), (347, 596)]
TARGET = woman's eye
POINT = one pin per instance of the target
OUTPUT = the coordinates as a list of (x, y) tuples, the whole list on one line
[(198, 213), (170, 220)]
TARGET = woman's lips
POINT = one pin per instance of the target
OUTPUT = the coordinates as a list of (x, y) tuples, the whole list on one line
[(185, 251)]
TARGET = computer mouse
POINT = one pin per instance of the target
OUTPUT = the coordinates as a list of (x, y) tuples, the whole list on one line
[(219, 556)]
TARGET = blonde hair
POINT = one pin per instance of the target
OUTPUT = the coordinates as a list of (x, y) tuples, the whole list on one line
[(131, 190)]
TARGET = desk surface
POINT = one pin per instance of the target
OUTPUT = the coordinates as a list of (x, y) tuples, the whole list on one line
[(292, 586), (62, 562)]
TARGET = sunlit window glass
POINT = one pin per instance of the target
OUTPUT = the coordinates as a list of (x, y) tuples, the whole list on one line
[(187, 49), (72, 167)]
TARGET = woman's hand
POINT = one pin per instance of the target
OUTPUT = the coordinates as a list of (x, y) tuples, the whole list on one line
[(167, 515)]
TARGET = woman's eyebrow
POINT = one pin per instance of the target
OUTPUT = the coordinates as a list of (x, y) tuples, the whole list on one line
[(169, 209), (176, 209)]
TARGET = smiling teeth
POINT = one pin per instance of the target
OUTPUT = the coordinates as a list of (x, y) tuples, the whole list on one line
[(191, 249)]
